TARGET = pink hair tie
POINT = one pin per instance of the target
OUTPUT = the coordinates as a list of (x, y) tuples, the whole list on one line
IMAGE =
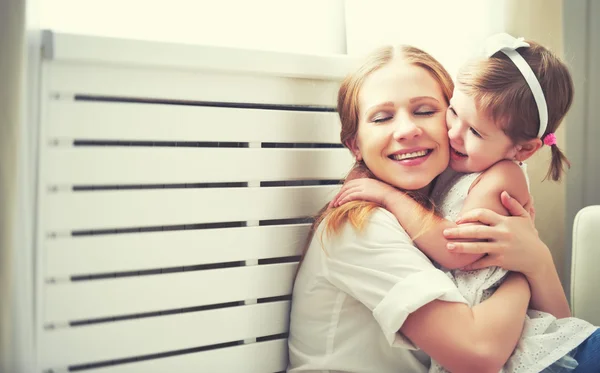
[(550, 139)]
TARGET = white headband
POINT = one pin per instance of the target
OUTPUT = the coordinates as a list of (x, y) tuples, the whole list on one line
[(508, 45)]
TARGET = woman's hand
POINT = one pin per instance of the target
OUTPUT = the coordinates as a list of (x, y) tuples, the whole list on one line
[(512, 242), (364, 190), (530, 209)]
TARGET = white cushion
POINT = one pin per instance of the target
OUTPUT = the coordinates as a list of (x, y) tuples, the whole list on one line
[(585, 273)]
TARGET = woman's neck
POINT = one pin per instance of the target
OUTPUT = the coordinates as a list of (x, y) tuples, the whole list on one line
[(425, 191)]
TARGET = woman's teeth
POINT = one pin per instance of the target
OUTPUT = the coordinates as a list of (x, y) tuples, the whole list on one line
[(401, 157)]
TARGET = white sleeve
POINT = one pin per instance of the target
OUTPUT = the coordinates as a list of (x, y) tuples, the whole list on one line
[(381, 268)]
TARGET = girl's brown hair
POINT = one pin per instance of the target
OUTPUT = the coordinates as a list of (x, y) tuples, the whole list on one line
[(357, 212), (501, 91)]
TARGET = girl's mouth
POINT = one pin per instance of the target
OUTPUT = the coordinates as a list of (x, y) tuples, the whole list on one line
[(457, 153)]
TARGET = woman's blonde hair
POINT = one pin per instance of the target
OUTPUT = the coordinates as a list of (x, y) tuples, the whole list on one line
[(357, 212), (500, 90)]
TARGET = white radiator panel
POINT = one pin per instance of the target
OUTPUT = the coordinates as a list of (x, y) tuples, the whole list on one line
[(191, 86), (126, 252), (140, 208), (146, 165), (123, 339), (145, 122), (270, 356), (175, 196), (83, 300)]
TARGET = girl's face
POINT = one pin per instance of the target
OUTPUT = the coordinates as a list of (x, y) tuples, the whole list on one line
[(402, 134), (476, 142)]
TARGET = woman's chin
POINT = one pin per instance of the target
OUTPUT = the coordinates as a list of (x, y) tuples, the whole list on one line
[(414, 185)]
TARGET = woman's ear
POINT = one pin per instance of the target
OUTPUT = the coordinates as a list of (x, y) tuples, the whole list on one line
[(527, 149), (353, 146)]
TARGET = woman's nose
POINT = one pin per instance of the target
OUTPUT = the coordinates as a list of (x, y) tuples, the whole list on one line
[(406, 129)]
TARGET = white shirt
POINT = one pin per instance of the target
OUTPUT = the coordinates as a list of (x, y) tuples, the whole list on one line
[(352, 294)]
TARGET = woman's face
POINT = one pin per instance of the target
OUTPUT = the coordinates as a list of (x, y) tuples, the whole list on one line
[(402, 135)]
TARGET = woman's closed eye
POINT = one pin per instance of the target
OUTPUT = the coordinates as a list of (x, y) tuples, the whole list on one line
[(425, 111), (381, 118)]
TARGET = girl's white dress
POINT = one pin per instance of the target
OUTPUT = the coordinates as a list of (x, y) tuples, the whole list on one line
[(546, 341)]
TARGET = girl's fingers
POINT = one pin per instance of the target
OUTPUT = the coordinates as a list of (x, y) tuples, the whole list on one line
[(346, 199), (471, 232), (342, 198), (345, 189)]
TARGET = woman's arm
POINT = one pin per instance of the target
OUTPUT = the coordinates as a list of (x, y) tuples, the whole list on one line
[(513, 243), (410, 215), (478, 339)]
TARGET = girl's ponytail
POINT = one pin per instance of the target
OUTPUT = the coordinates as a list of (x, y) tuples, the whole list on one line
[(558, 165)]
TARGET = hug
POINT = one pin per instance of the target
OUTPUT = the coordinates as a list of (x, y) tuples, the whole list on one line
[(428, 259)]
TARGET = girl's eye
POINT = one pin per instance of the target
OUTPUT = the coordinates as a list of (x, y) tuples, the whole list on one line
[(474, 132), (452, 110)]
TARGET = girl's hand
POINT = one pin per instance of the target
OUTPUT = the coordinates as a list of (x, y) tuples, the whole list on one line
[(512, 242), (365, 190)]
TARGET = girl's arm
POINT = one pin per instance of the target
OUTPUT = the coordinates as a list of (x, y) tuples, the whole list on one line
[(513, 243), (478, 339), (486, 190), (410, 215)]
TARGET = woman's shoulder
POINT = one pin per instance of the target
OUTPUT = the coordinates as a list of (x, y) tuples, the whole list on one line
[(380, 232), (380, 225)]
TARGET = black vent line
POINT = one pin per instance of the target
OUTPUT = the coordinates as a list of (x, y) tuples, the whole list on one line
[(161, 228), (237, 105), (174, 144), (87, 188), (102, 364)]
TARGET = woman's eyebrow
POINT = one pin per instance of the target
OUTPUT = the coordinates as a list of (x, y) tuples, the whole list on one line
[(419, 98), (379, 106)]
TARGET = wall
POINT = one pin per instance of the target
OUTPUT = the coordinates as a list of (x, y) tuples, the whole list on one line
[(541, 20), (18, 79), (582, 51)]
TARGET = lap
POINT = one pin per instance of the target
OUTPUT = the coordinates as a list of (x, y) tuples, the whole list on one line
[(588, 354)]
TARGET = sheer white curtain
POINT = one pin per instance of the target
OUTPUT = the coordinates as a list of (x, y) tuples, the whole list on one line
[(308, 26), (451, 31), (447, 29)]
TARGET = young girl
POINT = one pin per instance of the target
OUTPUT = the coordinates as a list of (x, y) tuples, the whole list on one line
[(503, 109)]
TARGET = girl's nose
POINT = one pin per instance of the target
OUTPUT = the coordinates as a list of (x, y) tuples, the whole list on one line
[(455, 132)]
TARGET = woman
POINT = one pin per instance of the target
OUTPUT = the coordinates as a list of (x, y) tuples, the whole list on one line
[(364, 296)]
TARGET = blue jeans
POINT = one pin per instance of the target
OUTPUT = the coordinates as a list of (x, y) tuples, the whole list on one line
[(588, 354)]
